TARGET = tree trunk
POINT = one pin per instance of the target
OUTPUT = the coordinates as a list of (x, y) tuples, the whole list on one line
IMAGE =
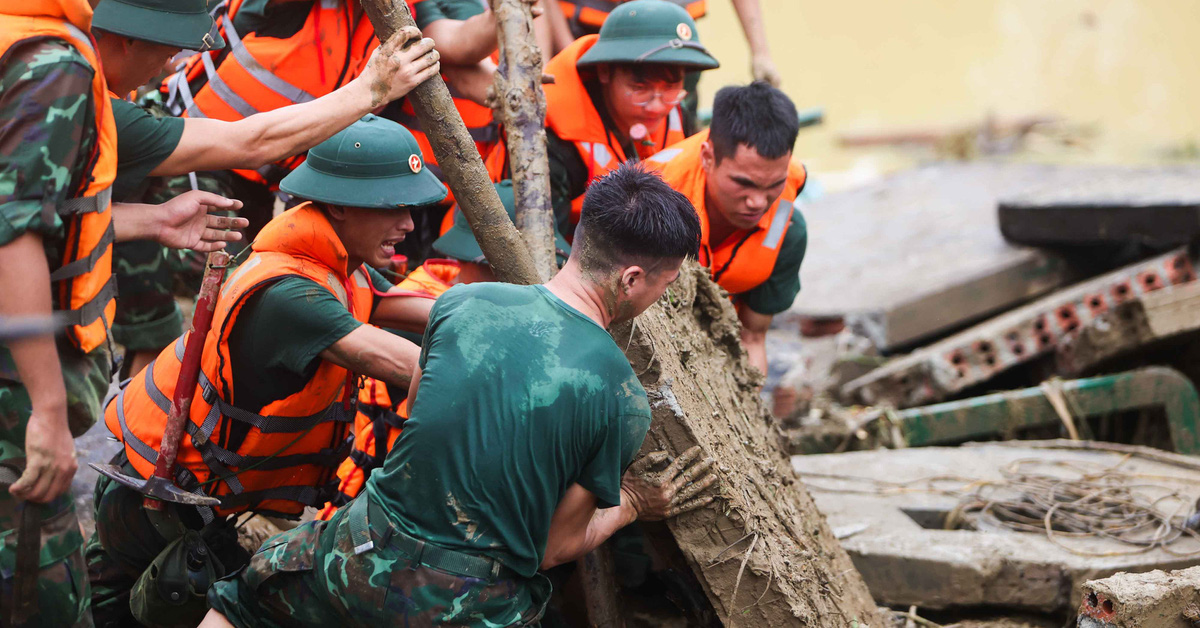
[(459, 160), (763, 553), (522, 111)]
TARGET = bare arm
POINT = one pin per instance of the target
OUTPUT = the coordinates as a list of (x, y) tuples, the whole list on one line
[(472, 81), (762, 66), (464, 42), (754, 336), (182, 222), (578, 527), (260, 139), (375, 353), (406, 313), (50, 451)]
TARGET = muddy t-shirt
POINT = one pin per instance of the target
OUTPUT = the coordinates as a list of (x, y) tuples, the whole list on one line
[(520, 397)]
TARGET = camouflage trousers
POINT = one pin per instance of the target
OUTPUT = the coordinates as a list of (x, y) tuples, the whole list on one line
[(149, 275), (313, 576), (62, 587)]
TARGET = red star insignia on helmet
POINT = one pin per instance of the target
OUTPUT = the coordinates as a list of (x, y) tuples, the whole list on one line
[(414, 162)]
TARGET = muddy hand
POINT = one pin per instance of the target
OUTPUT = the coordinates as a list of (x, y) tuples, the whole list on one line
[(657, 495)]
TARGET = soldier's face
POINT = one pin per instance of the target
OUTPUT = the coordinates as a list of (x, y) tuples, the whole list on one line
[(145, 61), (742, 186), (633, 99), (371, 235)]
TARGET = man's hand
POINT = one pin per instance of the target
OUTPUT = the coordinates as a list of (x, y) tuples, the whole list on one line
[(665, 494), (50, 458), (762, 68), (185, 222), (393, 71)]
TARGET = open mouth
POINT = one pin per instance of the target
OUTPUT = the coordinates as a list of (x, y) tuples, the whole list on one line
[(388, 248)]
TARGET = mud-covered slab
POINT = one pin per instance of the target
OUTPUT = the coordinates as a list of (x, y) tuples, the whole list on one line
[(1157, 207), (920, 252), (889, 508), (1158, 599)]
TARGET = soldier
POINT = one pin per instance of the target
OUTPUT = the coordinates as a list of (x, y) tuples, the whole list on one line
[(382, 409), (271, 414), (57, 164), (133, 45), (525, 417), (615, 98), (742, 179)]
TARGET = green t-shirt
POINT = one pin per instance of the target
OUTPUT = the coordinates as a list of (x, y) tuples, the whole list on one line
[(779, 291), (430, 11), (279, 335), (143, 142), (521, 396)]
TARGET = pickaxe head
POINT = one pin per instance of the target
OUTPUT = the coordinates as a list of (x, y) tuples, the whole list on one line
[(157, 488)]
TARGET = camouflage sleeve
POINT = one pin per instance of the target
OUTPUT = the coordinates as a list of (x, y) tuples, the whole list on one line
[(47, 135)]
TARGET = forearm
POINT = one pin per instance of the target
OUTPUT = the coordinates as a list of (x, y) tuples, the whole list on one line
[(376, 353), (603, 524), (134, 221), (404, 313), (464, 42), (755, 343), (750, 15), (25, 291)]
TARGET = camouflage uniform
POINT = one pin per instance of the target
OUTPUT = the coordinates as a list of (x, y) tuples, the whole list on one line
[(318, 574), (45, 101)]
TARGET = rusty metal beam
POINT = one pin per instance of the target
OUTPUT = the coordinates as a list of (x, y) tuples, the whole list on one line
[(977, 354), (978, 417)]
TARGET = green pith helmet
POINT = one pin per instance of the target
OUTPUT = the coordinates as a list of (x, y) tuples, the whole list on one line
[(182, 23), (373, 163), (459, 242), (649, 31)]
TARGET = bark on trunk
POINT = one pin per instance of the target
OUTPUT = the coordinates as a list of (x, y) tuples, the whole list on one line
[(459, 160), (522, 111), (763, 553), (765, 556)]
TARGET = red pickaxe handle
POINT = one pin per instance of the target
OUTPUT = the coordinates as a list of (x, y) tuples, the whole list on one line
[(189, 371)]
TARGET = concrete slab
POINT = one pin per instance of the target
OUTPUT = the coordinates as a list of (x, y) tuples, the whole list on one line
[(920, 252), (1157, 599), (1157, 207), (907, 559)]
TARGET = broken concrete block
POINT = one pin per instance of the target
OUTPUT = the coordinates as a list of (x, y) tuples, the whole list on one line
[(1131, 326), (1157, 207), (1156, 599), (920, 253), (977, 354), (908, 558)]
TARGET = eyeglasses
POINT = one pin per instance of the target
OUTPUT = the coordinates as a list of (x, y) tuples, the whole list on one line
[(642, 96)]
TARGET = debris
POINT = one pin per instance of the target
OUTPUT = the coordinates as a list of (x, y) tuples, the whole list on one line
[(1156, 599), (1155, 207), (1130, 326), (920, 253), (979, 353), (907, 557)]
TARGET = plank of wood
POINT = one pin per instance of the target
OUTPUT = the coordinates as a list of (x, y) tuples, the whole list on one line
[(1157, 207)]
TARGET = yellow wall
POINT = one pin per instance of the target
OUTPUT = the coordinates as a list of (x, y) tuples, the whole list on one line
[(1131, 68)]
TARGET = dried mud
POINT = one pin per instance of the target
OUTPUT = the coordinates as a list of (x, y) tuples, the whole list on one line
[(762, 552)]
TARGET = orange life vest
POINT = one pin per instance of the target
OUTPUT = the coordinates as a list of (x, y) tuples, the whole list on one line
[(256, 73), (746, 258), (378, 418), (589, 15), (573, 117), (292, 446), (85, 290)]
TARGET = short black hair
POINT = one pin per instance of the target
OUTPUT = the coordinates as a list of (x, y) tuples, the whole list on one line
[(632, 217), (757, 115)]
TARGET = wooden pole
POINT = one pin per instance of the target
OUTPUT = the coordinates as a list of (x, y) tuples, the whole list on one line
[(521, 108), (459, 160)]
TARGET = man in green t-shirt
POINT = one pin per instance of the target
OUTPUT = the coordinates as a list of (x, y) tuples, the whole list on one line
[(134, 47), (524, 419)]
